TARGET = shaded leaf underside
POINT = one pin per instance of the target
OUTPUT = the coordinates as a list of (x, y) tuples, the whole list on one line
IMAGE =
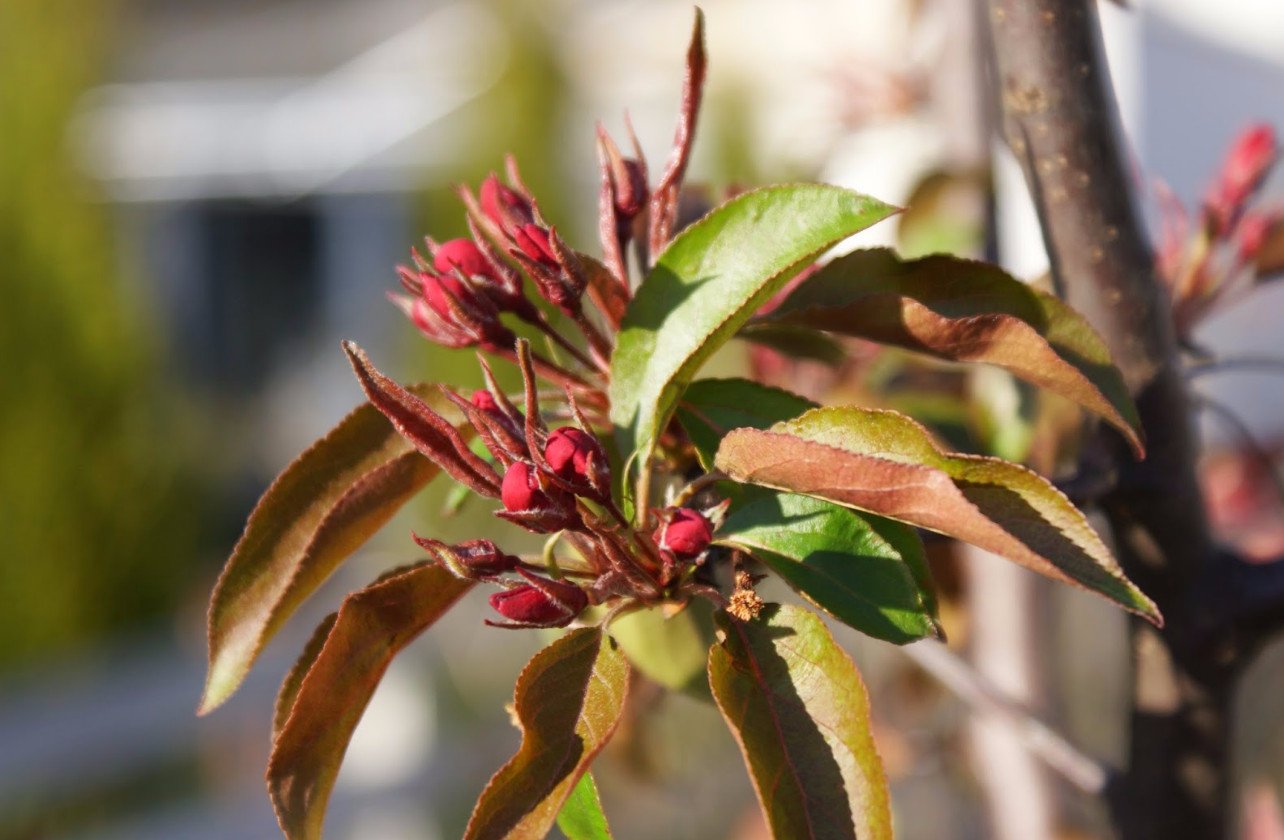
[(965, 311)]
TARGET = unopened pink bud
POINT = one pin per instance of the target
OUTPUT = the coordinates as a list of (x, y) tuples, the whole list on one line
[(533, 240), (630, 188), (435, 292), (686, 534), (1252, 233), (484, 400), (1247, 164), (541, 602), (500, 203), (464, 255), (568, 452), (520, 489)]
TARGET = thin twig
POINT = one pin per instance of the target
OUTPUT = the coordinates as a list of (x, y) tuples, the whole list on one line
[(1080, 769), (542, 324), (688, 492), (1261, 364)]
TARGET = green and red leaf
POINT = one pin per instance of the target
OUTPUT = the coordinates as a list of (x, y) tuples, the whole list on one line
[(885, 463), (798, 708), (712, 407), (316, 513), (436, 438), (708, 282), (866, 571), (966, 311), (371, 627), (568, 701)]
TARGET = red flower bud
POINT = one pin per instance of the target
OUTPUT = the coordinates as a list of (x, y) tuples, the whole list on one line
[(630, 187), (1247, 164), (686, 534), (1252, 234), (568, 451), (532, 506), (520, 490), (533, 240), (464, 255), (484, 400), (499, 203), (435, 292), (539, 603)]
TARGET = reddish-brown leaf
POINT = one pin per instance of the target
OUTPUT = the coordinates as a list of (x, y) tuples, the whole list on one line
[(797, 705), (966, 311), (885, 463), (437, 439), (317, 512), (568, 702), (372, 625)]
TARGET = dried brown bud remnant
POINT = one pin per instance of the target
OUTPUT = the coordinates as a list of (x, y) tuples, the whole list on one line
[(744, 603)]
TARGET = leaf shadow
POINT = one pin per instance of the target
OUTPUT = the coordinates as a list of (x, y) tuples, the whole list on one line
[(803, 746), (669, 291), (1011, 512)]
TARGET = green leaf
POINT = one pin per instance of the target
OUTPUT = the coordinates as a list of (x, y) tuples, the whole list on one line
[(371, 627), (839, 560), (712, 407), (670, 650), (796, 704), (885, 463), (568, 702), (582, 817), (966, 311), (316, 513), (795, 342), (708, 282)]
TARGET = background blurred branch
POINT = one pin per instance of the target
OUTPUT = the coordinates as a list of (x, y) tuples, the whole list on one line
[(1060, 120), (950, 670)]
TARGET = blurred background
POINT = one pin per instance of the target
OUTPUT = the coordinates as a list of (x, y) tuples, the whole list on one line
[(199, 199)]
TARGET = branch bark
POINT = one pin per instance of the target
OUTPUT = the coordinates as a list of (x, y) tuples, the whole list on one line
[(1060, 120)]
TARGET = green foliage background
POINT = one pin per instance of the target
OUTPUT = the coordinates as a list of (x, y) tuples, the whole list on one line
[(99, 506)]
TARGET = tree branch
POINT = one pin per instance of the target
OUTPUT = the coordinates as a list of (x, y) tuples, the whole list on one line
[(1060, 120)]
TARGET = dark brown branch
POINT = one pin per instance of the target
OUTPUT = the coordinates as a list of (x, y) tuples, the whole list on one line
[(1060, 120)]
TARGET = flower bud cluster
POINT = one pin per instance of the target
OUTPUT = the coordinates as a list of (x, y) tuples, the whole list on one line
[(554, 481)]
